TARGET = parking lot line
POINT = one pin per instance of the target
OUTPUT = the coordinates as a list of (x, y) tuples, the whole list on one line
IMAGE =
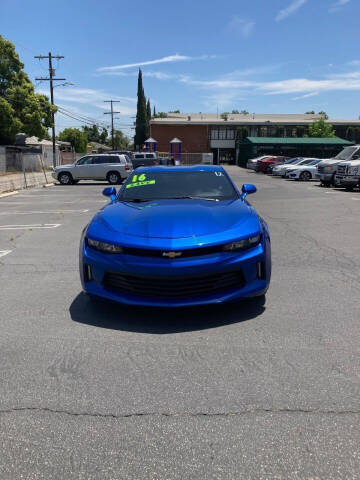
[(43, 212), (28, 227), (4, 252)]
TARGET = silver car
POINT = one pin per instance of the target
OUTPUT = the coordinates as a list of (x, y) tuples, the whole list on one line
[(113, 168)]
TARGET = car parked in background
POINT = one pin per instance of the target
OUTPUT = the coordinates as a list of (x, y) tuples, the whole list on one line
[(327, 169), (305, 172), (144, 159), (251, 163), (113, 168), (278, 170), (348, 174), (265, 164), (290, 168)]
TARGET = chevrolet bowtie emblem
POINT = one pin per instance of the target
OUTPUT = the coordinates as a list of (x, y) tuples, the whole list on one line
[(172, 254)]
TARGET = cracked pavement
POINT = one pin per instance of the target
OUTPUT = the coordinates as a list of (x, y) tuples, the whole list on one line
[(250, 391)]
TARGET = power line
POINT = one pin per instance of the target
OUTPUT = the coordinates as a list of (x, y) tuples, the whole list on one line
[(51, 79), (112, 119)]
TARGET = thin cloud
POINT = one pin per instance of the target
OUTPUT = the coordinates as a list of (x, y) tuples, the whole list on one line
[(169, 59), (354, 63), (290, 10), (241, 26), (307, 95), (338, 5)]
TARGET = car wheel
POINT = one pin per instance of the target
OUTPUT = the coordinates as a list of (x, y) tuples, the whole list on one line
[(305, 176), (75, 181), (333, 182), (113, 178), (65, 178), (325, 184), (268, 170)]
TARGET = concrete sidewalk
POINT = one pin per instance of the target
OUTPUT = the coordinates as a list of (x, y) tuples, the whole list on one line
[(17, 181)]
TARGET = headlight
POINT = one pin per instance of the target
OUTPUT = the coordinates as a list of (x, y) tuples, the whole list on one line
[(329, 169), (103, 247), (243, 244), (353, 170)]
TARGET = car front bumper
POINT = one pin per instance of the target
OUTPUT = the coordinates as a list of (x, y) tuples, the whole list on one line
[(324, 177), (247, 262), (347, 180), (54, 175)]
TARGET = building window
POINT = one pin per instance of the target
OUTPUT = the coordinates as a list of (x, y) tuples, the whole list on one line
[(222, 134), (230, 134), (263, 131), (214, 134), (294, 132)]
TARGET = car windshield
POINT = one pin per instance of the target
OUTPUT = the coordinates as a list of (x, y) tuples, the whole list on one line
[(314, 162), (346, 153), (210, 185), (291, 160)]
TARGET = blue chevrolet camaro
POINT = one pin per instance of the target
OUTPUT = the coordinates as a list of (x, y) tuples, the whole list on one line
[(176, 236)]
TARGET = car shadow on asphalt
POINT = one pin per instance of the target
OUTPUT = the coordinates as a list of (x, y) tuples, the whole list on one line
[(162, 320)]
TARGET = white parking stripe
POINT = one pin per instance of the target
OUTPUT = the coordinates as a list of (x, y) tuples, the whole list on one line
[(43, 212), (4, 252), (28, 227)]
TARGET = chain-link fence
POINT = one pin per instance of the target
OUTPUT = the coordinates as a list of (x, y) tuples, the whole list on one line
[(20, 168), (188, 158)]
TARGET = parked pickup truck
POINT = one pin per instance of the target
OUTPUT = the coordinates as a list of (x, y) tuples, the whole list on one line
[(348, 174), (327, 168)]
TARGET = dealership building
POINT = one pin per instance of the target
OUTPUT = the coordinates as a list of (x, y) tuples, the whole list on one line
[(224, 135)]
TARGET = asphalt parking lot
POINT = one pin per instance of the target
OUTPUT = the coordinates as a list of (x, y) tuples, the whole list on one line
[(249, 391)]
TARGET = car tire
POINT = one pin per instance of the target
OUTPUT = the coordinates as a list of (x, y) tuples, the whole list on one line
[(323, 183), (305, 176), (65, 178), (333, 181), (75, 181), (114, 178), (268, 171)]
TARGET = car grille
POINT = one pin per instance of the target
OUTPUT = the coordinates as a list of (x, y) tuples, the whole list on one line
[(190, 252), (341, 169), (173, 286)]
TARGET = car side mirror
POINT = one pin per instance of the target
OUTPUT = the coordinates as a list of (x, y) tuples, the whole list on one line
[(110, 192), (247, 189)]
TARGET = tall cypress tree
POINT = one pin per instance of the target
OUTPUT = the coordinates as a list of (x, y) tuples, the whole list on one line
[(154, 112), (148, 115), (141, 114)]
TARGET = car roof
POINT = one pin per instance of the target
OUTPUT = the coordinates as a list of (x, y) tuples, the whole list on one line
[(182, 168)]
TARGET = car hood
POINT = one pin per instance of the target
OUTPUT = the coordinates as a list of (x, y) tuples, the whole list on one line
[(165, 221), (330, 161), (66, 167)]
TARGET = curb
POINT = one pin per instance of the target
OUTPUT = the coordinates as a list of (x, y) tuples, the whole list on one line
[(8, 194)]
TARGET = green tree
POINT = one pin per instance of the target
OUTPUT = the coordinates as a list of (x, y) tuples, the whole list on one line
[(224, 115), (141, 120), (244, 112), (103, 136), (148, 116), (9, 125), (174, 111), (31, 112), (154, 112), (92, 133), (324, 114), (311, 112), (235, 112), (76, 137), (320, 129)]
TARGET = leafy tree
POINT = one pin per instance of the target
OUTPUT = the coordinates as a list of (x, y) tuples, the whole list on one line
[(311, 112), (161, 115), (321, 129), (31, 113), (224, 115), (324, 114), (76, 137), (9, 125), (235, 112), (103, 136), (141, 114), (174, 111), (244, 112)]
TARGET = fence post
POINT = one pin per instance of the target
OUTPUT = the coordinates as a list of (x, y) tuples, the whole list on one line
[(42, 162), (23, 167)]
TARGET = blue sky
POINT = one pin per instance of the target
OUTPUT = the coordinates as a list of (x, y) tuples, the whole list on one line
[(278, 56)]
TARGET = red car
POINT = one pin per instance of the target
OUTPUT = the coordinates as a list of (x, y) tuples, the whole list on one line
[(264, 165)]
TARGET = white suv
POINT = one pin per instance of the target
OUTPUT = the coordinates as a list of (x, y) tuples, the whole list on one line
[(113, 168)]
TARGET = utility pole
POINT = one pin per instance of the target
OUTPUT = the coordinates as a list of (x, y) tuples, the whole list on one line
[(51, 79), (112, 119)]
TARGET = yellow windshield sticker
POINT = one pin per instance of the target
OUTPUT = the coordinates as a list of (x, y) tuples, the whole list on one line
[(140, 184)]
